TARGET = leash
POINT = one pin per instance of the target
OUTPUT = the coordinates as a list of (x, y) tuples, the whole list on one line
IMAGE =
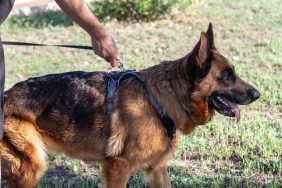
[(12, 43), (81, 47)]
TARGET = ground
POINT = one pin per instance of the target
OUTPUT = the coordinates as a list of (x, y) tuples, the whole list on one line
[(220, 154)]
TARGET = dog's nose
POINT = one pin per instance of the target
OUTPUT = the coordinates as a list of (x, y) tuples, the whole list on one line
[(254, 94)]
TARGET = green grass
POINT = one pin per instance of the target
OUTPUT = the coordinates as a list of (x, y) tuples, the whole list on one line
[(222, 153)]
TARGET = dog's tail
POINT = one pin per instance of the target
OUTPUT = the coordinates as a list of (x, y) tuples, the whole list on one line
[(23, 153)]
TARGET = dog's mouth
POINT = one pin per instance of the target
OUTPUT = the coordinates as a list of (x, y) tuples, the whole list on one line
[(224, 106)]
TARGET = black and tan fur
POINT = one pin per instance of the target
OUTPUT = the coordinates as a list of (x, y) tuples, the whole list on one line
[(67, 113)]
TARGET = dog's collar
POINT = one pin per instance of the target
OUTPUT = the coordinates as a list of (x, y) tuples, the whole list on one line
[(114, 79)]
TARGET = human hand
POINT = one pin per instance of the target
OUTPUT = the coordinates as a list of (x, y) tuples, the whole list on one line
[(105, 47)]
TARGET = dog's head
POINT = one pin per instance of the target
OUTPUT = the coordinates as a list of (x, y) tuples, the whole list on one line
[(216, 80)]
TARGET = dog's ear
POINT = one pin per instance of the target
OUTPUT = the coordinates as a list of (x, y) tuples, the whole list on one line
[(206, 46), (201, 57), (204, 51), (210, 36)]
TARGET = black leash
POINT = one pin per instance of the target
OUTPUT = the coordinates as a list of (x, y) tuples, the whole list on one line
[(12, 43), (82, 47)]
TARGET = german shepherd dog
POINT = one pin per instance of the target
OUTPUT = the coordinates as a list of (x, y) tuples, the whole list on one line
[(68, 113)]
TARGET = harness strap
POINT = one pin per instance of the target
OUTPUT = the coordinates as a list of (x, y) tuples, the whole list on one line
[(114, 79), (166, 120)]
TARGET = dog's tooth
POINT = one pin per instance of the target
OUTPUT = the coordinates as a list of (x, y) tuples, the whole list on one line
[(221, 100)]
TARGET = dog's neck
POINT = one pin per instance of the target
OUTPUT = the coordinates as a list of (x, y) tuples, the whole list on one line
[(172, 83)]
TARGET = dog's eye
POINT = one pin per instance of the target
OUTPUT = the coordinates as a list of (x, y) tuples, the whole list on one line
[(227, 75)]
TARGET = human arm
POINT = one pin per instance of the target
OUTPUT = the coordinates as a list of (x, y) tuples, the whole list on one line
[(102, 42)]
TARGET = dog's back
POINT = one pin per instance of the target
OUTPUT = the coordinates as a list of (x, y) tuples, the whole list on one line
[(59, 111), (64, 91)]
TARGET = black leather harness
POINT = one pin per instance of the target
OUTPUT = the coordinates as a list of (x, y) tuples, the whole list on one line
[(115, 78)]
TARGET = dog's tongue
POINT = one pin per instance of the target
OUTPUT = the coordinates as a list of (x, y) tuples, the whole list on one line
[(234, 109)]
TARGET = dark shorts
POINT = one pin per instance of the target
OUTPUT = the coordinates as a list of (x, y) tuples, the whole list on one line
[(2, 81), (5, 8)]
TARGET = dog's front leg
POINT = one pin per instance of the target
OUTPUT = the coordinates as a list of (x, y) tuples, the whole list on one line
[(115, 173), (158, 177)]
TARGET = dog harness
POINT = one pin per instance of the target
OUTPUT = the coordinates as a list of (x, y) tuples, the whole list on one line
[(115, 78)]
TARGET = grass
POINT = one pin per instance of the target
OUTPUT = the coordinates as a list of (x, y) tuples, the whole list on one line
[(220, 154)]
